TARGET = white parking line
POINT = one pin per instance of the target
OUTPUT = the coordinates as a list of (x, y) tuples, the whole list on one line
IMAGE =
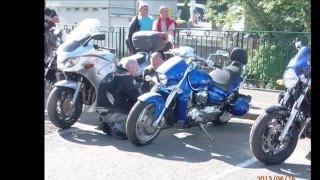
[(232, 169)]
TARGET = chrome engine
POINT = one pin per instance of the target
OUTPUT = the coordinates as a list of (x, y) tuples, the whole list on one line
[(200, 111)]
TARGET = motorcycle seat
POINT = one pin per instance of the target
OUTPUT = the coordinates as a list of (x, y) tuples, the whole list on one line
[(226, 77), (235, 68), (140, 57)]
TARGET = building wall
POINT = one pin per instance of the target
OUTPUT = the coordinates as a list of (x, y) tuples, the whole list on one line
[(72, 15), (110, 12)]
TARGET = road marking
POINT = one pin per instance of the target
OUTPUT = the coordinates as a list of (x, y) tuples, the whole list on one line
[(232, 169)]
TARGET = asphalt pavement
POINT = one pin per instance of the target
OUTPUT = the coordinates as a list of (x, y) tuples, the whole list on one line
[(82, 152)]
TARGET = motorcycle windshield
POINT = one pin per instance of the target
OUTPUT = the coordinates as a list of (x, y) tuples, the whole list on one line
[(86, 29), (300, 60)]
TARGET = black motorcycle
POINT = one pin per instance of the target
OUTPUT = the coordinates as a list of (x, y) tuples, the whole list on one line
[(52, 40), (275, 133)]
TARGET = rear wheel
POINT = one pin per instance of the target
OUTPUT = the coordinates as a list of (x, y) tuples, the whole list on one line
[(139, 127), (60, 110), (264, 139)]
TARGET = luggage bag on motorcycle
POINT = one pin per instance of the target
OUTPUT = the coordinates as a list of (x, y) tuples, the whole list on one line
[(146, 41)]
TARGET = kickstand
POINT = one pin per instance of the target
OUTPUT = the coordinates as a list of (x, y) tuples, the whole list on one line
[(203, 128)]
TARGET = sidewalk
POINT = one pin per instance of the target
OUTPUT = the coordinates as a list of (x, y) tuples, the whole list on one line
[(261, 99)]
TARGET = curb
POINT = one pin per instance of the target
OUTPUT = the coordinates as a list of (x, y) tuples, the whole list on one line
[(260, 89), (255, 110), (251, 115)]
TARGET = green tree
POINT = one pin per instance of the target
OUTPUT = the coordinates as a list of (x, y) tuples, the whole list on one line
[(217, 12), (275, 15), (185, 12)]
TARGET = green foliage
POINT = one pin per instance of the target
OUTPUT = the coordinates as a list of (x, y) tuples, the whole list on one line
[(181, 23), (276, 15), (263, 64), (185, 12), (218, 12), (268, 62)]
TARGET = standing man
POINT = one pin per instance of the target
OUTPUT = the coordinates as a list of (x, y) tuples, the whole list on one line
[(141, 22), (164, 23), (50, 18)]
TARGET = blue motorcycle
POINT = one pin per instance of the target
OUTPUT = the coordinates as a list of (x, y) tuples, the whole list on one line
[(275, 133), (188, 95)]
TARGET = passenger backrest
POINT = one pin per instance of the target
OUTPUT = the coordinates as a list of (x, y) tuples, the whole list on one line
[(239, 55)]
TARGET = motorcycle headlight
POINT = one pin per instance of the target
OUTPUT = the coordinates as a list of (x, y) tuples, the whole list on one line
[(163, 79), (290, 78), (71, 62)]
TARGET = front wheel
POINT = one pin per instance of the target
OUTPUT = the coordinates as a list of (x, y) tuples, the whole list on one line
[(139, 127), (264, 139), (61, 112)]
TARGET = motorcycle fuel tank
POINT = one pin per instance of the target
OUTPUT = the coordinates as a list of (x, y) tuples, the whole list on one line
[(199, 79)]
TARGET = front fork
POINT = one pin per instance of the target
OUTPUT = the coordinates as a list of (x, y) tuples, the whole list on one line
[(172, 95), (294, 111), (76, 94), (166, 105)]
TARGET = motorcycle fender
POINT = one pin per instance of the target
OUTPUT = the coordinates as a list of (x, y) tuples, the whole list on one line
[(67, 83), (155, 98), (277, 109)]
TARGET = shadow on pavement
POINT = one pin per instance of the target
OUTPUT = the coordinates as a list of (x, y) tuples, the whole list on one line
[(190, 145), (288, 169)]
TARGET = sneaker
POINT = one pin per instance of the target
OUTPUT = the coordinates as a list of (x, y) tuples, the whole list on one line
[(104, 127), (167, 125)]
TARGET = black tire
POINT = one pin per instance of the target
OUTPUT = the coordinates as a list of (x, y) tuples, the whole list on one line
[(257, 142), (133, 129), (58, 100), (50, 86)]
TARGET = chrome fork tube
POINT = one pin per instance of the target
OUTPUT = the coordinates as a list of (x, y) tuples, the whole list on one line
[(170, 97), (285, 98), (304, 125), (294, 111), (75, 96), (167, 103)]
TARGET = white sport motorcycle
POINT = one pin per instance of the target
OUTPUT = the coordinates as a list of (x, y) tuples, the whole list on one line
[(85, 65)]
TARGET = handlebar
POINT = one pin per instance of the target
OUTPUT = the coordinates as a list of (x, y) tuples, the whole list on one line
[(207, 62), (221, 53), (113, 51)]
